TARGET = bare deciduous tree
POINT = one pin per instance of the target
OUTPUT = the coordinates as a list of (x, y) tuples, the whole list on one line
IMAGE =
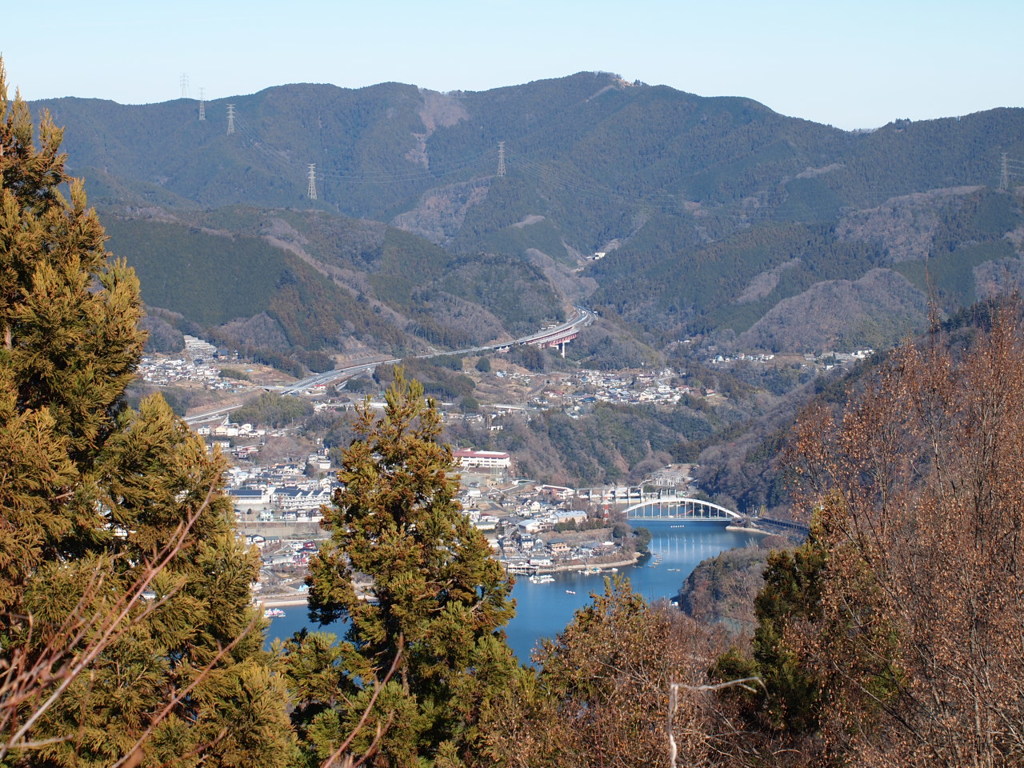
[(919, 487)]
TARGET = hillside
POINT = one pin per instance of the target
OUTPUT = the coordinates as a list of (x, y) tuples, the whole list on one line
[(288, 281), (720, 218)]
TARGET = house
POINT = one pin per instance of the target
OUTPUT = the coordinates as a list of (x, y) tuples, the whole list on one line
[(557, 491), (486, 523), (570, 516), (559, 548), (530, 526), (320, 462)]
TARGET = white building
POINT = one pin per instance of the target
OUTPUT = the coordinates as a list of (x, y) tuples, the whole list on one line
[(483, 459), (251, 499)]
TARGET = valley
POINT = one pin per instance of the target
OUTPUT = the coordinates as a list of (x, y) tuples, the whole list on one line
[(732, 261), (386, 361)]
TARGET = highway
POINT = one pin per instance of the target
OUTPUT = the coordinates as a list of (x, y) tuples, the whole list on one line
[(582, 318)]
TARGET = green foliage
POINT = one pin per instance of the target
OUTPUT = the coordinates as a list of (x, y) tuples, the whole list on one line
[(437, 380), (234, 373), (362, 385), (721, 190), (721, 589), (604, 444), (971, 232), (586, 525), (506, 222), (439, 598), (126, 626), (406, 263), (213, 279), (530, 357), (515, 291), (793, 693), (208, 278), (607, 346), (280, 361), (452, 362), (642, 539), (316, 361), (273, 410), (483, 365), (791, 595), (645, 279)]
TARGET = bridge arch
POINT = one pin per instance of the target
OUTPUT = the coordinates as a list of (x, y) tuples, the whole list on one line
[(681, 508)]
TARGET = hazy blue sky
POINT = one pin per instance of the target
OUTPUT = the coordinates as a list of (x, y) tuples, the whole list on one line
[(853, 64)]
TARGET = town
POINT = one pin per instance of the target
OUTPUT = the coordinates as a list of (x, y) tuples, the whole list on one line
[(535, 529)]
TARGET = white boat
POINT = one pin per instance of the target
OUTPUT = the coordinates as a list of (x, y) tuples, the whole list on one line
[(541, 578), (273, 613), (570, 592)]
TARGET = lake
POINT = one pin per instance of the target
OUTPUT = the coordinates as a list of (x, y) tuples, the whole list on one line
[(543, 610)]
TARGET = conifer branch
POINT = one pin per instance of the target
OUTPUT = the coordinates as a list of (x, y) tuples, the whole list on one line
[(377, 688), (183, 693), (111, 625)]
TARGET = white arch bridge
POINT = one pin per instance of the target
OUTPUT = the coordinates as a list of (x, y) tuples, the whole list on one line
[(682, 509)]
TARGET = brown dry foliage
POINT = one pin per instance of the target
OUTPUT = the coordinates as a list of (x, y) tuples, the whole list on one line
[(614, 685), (919, 489)]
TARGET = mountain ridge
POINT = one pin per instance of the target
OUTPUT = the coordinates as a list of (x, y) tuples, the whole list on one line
[(721, 189)]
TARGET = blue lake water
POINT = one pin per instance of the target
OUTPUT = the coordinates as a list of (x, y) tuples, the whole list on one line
[(543, 610)]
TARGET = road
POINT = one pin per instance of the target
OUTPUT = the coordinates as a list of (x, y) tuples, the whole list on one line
[(582, 318)]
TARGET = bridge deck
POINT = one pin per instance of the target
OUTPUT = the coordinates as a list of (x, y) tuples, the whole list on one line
[(680, 508)]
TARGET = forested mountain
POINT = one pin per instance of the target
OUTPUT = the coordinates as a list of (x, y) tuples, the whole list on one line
[(717, 215), (127, 629)]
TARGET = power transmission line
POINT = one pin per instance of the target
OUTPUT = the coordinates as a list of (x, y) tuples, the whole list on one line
[(464, 170), (311, 188), (202, 105), (1009, 168), (184, 85), (231, 119), (283, 161), (501, 159)]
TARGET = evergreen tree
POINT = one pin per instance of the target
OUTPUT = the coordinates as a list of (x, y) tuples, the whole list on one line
[(126, 629), (790, 698), (422, 593), (892, 636)]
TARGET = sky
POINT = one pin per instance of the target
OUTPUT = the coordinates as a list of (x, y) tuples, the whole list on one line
[(851, 64)]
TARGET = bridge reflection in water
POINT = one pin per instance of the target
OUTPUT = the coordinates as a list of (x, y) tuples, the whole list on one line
[(682, 509)]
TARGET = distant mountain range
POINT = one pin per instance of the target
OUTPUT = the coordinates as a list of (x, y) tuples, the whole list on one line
[(451, 219)]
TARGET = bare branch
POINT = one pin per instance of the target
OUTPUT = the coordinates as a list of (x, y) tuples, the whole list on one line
[(377, 688)]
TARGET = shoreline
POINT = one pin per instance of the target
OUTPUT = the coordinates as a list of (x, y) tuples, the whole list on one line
[(292, 601), (281, 601), (599, 566), (746, 529)]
